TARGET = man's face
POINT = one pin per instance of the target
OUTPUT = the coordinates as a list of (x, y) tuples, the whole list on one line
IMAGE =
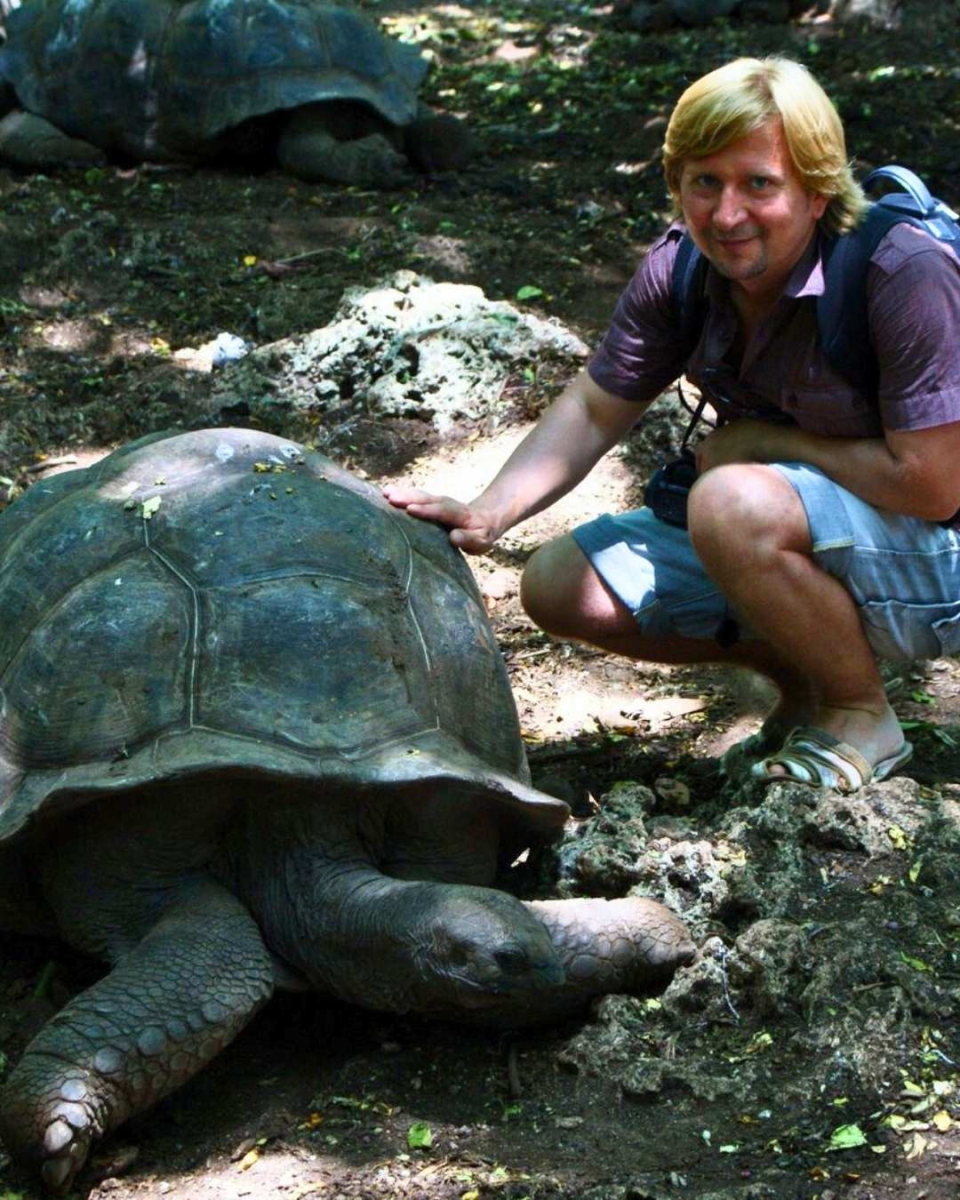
[(747, 209)]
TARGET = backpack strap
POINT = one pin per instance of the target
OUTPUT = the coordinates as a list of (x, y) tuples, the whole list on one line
[(689, 273), (842, 318), (913, 198)]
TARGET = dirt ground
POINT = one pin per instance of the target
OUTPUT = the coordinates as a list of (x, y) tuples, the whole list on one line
[(813, 1049)]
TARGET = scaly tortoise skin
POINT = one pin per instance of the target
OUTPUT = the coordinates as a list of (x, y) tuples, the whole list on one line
[(169, 80), (255, 728)]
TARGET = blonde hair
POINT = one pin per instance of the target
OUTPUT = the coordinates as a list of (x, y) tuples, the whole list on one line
[(731, 102)]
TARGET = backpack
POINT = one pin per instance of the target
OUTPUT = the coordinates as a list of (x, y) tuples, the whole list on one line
[(842, 318)]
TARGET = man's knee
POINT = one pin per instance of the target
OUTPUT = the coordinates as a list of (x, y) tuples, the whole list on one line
[(746, 509), (543, 585), (562, 593)]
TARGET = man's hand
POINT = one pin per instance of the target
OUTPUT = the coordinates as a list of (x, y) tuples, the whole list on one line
[(749, 441), (470, 530)]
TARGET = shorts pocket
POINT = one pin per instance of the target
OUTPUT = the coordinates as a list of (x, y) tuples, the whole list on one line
[(899, 631), (947, 632)]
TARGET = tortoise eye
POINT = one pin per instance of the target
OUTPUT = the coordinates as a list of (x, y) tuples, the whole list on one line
[(510, 959)]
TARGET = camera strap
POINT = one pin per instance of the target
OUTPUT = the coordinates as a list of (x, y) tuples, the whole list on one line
[(696, 414)]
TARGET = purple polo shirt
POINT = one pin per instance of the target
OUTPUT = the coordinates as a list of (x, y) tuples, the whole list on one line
[(913, 300)]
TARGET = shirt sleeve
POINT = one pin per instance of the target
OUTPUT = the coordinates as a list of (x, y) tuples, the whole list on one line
[(642, 351), (913, 297)]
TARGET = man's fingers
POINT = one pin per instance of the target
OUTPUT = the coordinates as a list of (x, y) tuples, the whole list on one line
[(403, 495), (428, 507), (468, 532)]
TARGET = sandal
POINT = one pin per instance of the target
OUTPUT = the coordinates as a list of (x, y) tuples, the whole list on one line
[(755, 745), (815, 757)]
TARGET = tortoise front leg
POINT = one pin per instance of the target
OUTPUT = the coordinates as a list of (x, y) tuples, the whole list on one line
[(168, 1006), (624, 945)]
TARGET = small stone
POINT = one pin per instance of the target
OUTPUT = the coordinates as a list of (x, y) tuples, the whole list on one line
[(672, 791)]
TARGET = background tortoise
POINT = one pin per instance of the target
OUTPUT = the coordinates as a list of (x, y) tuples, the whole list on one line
[(254, 721), (316, 86)]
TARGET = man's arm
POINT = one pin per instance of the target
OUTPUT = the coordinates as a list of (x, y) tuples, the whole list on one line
[(913, 472), (582, 424)]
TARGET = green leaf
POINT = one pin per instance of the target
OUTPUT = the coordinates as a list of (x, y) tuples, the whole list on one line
[(529, 292), (419, 1136), (917, 963), (847, 1137)]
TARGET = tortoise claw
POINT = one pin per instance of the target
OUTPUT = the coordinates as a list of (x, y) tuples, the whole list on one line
[(66, 1144)]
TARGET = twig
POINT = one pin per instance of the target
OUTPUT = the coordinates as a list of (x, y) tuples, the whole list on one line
[(530, 654), (47, 463), (295, 258), (723, 979)]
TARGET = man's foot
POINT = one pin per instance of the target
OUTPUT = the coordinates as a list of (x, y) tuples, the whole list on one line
[(818, 758), (788, 713)]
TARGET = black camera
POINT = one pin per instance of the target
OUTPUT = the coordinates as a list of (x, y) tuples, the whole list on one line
[(666, 493)]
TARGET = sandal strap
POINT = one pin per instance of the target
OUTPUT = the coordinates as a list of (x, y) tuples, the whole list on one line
[(813, 756)]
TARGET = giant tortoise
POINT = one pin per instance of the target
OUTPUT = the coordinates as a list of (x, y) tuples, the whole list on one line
[(254, 727), (314, 85)]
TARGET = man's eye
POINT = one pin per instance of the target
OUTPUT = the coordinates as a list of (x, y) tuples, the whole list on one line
[(760, 183)]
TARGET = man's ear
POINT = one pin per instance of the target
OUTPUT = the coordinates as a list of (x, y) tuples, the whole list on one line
[(819, 204)]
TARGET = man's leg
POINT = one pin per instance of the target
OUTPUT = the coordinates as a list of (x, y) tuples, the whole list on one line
[(563, 594), (750, 531)]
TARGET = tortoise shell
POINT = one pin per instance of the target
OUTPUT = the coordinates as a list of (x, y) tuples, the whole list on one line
[(162, 78), (225, 601)]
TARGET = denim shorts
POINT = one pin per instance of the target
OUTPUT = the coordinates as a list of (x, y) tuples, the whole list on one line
[(902, 572)]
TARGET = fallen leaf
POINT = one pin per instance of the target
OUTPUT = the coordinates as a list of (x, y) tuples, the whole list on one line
[(847, 1137), (915, 1146), (419, 1136)]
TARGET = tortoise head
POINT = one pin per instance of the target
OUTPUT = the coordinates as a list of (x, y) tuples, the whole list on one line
[(480, 948)]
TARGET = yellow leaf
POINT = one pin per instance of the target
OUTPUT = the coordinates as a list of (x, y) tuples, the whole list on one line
[(471, 1195), (898, 837), (248, 1160), (249, 260), (942, 1120), (916, 1146)]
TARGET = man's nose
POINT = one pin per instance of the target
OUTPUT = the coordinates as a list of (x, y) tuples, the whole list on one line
[(730, 210)]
